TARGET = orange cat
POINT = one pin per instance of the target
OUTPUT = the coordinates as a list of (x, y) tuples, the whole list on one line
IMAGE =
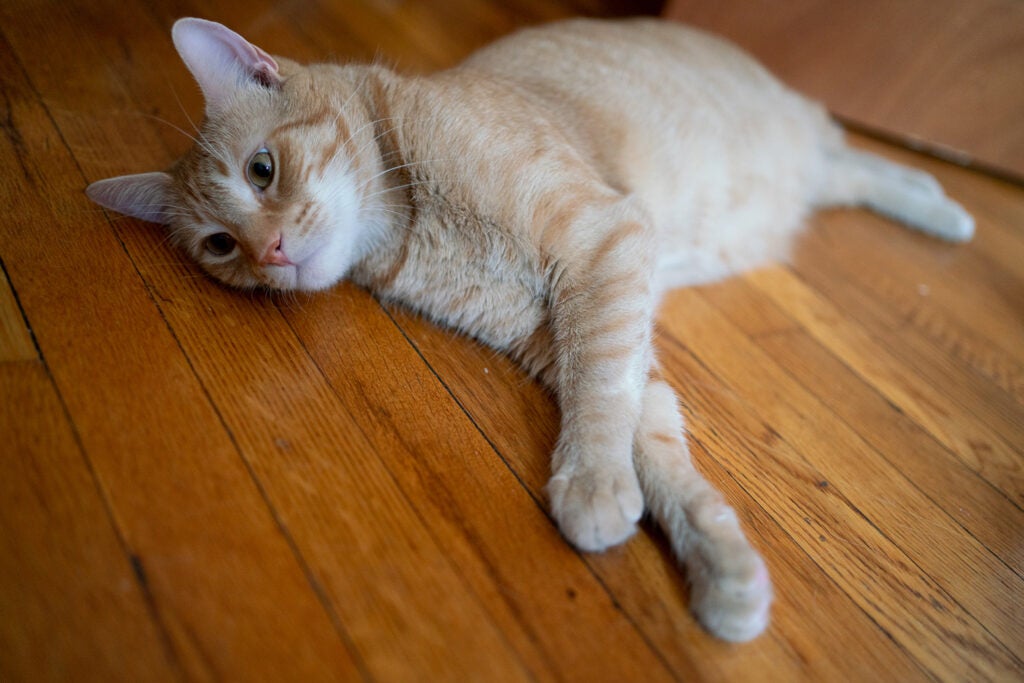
[(540, 197)]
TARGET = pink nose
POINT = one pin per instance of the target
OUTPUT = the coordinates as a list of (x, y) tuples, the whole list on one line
[(274, 254)]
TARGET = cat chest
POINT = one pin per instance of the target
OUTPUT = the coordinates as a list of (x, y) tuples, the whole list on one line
[(479, 282)]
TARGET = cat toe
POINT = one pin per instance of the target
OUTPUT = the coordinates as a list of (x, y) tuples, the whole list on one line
[(596, 509)]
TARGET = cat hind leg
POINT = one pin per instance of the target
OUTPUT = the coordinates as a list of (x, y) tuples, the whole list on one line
[(904, 194), (731, 592)]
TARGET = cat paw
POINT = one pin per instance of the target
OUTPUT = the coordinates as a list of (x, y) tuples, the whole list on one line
[(731, 592), (734, 605), (596, 507), (922, 182)]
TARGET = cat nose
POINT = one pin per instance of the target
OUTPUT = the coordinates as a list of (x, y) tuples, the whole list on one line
[(274, 254)]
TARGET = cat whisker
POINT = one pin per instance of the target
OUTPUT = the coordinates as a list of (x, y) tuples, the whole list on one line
[(395, 188), (362, 147), (384, 132), (393, 208), (291, 299), (199, 138), (355, 91), (372, 141), (343, 147), (182, 107), (360, 129), (392, 169), (205, 145), (396, 214)]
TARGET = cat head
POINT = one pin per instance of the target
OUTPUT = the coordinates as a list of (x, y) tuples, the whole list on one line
[(277, 190)]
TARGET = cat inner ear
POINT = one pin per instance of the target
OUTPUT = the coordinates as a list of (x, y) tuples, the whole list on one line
[(222, 61), (144, 195)]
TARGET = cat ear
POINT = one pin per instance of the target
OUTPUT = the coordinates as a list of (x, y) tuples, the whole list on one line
[(221, 60), (144, 195)]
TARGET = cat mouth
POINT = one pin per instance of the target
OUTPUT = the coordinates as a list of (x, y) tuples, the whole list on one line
[(294, 276), (282, 276)]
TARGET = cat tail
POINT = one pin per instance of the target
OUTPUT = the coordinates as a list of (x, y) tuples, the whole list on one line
[(730, 591), (907, 195)]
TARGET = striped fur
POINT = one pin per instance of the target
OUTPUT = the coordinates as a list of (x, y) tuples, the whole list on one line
[(539, 197)]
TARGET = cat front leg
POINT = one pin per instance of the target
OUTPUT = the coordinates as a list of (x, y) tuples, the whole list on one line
[(601, 320), (730, 589)]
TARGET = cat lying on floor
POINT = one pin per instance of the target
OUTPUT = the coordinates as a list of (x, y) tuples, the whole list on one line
[(540, 197)]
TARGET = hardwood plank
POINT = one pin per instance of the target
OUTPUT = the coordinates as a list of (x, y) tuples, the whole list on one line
[(504, 545), (940, 548), (938, 73), (215, 561), (71, 603), (995, 204), (369, 548), (15, 339), (957, 310), (974, 290), (922, 302), (401, 41), (930, 399), (912, 587), (974, 503), (935, 344), (521, 422), (807, 635), (913, 272)]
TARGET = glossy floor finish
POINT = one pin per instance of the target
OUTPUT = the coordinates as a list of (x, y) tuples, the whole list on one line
[(197, 484)]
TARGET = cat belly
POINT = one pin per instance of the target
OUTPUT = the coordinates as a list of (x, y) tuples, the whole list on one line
[(720, 219), (726, 204), (726, 160)]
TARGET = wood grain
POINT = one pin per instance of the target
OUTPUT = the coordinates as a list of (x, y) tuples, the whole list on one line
[(194, 522), (847, 485), (942, 74), (15, 339), (60, 542), (521, 422), (449, 469), (973, 502), (200, 484)]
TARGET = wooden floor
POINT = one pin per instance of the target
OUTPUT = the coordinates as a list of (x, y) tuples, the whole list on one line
[(197, 484)]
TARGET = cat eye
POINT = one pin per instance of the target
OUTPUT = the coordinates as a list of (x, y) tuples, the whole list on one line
[(220, 244), (261, 169)]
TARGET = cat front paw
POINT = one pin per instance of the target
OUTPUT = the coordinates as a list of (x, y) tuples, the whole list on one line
[(596, 507)]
